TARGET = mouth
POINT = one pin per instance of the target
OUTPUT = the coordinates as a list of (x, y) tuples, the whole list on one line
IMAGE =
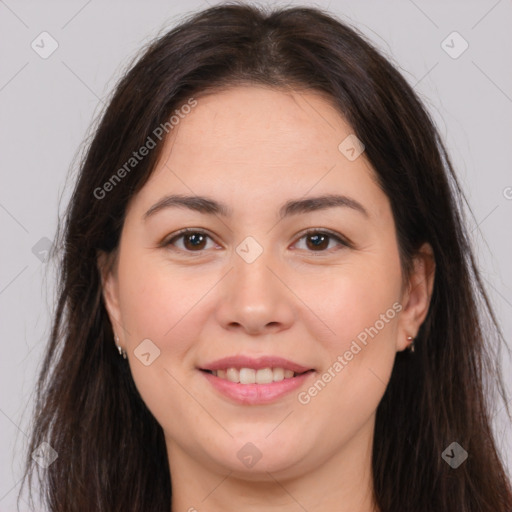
[(255, 376), (252, 381)]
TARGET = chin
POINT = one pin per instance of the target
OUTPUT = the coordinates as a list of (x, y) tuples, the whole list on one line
[(254, 459)]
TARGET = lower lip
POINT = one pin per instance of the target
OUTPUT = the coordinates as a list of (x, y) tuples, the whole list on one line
[(256, 394)]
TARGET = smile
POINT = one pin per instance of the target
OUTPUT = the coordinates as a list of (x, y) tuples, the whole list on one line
[(253, 381), (253, 376)]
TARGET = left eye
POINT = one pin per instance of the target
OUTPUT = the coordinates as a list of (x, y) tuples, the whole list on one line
[(319, 240), (316, 240)]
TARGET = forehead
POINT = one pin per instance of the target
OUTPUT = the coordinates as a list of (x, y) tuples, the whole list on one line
[(252, 142), (259, 120)]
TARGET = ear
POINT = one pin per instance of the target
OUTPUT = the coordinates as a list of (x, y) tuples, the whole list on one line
[(107, 266), (417, 295)]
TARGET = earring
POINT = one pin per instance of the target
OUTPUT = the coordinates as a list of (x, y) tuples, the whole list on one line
[(120, 349), (410, 347)]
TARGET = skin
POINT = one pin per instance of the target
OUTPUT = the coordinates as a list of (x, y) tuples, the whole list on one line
[(253, 148)]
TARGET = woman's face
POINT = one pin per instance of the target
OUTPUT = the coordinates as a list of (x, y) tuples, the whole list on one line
[(248, 289)]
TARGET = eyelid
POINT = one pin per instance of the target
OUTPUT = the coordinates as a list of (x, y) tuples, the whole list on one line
[(333, 234)]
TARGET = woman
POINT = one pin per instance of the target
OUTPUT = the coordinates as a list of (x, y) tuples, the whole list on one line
[(267, 297)]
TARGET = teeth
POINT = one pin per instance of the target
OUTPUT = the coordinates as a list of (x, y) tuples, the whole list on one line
[(264, 376), (233, 375), (278, 374), (252, 376), (247, 376)]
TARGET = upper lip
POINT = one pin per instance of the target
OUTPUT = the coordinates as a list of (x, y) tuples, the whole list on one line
[(255, 362)]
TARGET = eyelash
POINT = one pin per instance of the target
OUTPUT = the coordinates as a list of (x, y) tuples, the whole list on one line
[(180, 234)]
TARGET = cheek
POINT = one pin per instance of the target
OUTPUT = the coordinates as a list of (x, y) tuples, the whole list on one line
[(361, 308), (360, 303), (159, 302), (358, 363)]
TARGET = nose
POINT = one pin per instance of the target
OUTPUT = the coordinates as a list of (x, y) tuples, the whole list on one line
[(254, 297)]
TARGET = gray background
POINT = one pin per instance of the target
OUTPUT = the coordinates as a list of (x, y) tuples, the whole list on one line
[(47, 106)]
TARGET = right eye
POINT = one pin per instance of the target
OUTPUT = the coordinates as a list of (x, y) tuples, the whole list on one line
[(193, 240)]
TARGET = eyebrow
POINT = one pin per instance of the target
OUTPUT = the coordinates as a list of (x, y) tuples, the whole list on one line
[(208, 206)]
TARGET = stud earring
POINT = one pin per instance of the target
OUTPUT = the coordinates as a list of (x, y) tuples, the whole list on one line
[(120, 349), (410, 347)]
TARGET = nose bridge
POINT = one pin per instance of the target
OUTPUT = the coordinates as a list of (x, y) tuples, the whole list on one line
[(253, 297), (251, 273)]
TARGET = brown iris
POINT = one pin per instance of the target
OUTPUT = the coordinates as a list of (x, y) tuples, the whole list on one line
[(320, 241), (196, 240)]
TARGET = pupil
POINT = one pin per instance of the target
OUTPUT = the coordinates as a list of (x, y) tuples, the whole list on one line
[(196, 239), (318, 240)]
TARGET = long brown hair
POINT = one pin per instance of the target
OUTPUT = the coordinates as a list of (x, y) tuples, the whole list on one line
[(111, 450)]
